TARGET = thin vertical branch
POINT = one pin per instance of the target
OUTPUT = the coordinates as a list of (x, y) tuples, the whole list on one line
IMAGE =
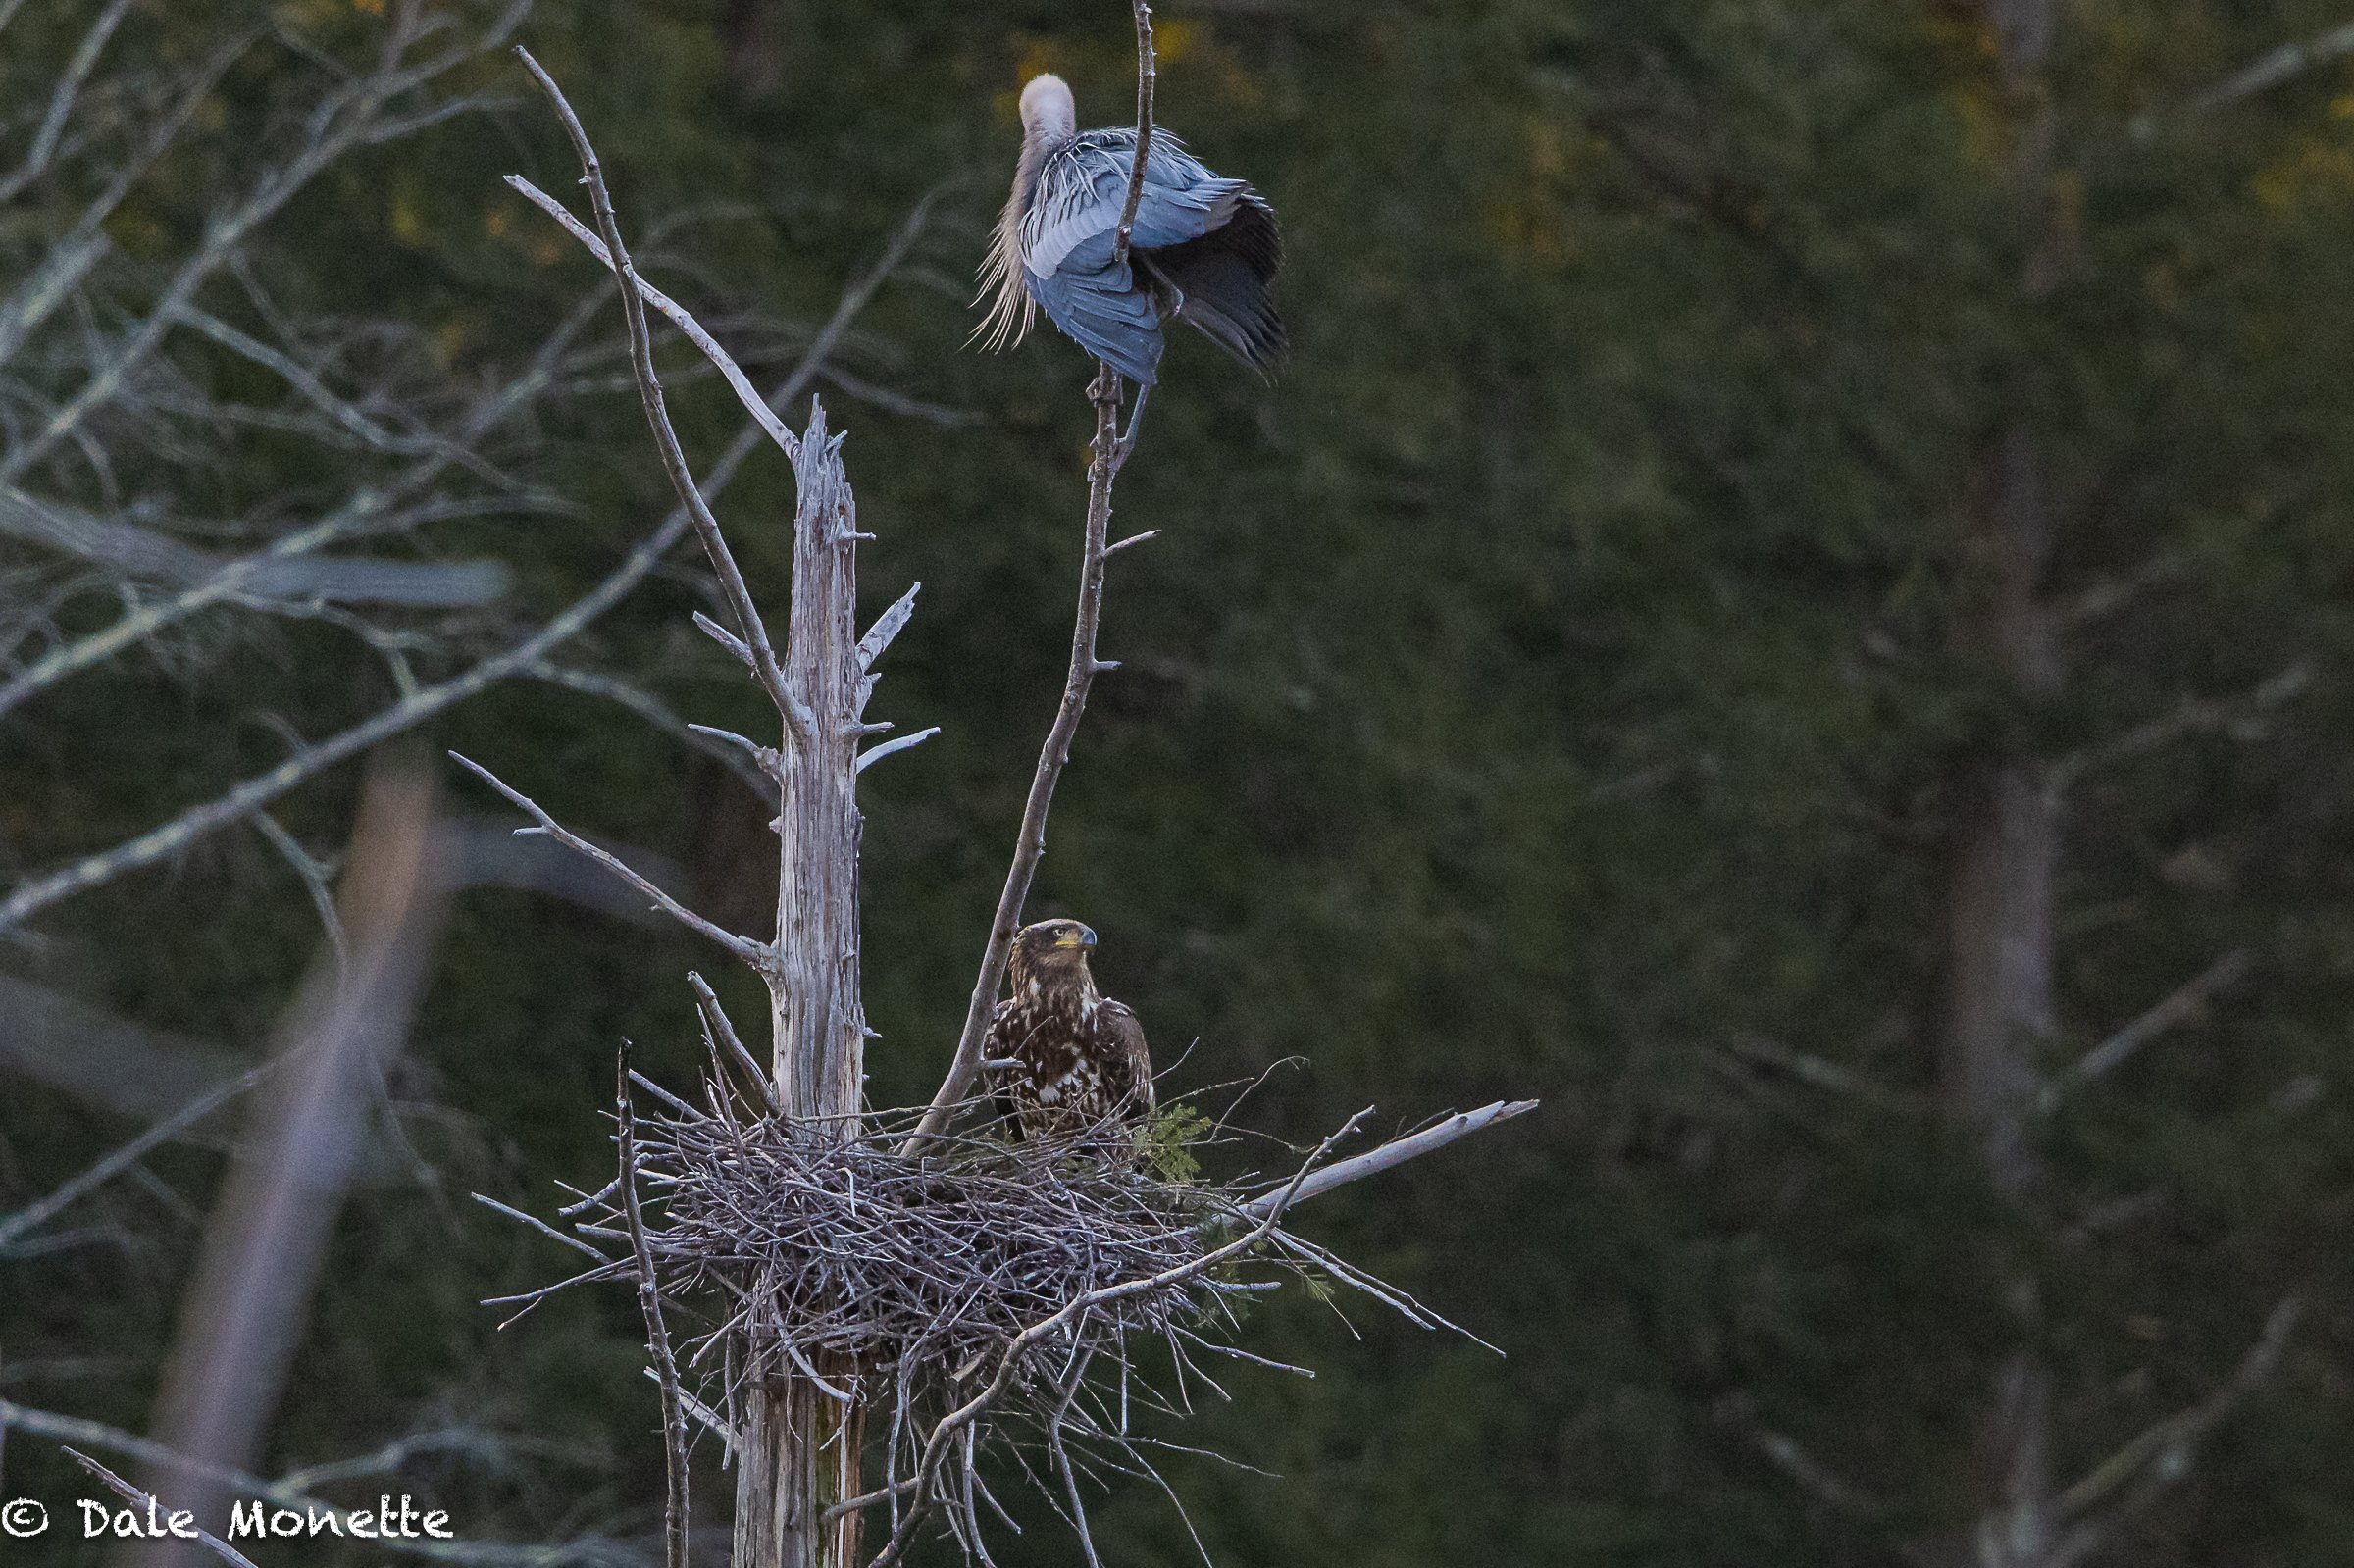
[(657, 1334), (1109, 451), (1145, 78), (1031, 843)]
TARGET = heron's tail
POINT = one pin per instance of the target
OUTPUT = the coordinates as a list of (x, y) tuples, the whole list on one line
[(1223, 281)]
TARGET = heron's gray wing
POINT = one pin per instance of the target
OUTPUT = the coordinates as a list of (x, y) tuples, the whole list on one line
[(1097, 303), (1182, 199), (1068, 240), (1084, 190)]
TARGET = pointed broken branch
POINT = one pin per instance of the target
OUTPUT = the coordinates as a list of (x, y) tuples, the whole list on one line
[(875, 754), (1390, 1155), (887, 627)]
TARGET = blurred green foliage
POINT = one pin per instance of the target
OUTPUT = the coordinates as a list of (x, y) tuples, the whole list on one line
[(1548, 687)]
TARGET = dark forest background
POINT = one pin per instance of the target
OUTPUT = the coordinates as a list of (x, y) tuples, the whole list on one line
[(1588, 671)]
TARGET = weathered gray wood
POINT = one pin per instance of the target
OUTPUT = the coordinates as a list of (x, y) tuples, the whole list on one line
[(800, 1447)]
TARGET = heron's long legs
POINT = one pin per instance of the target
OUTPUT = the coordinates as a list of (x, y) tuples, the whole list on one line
[(1127, 441)]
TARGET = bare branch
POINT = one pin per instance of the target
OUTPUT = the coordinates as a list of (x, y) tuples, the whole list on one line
[(726, 640), (1393, 1154), (365, 509), (2162, 1452), (78, 67), (744, 947), (41, 1210), (1145, 76), (343, 415), (2267, 71), (140, 1500), (542, 1227), (65, 1429), (1787, 1455), (340, 122), (37, 893), (742, 385), (749, 624), (2176, 1008), (726, 749), (874, 755), (724, 1030), (71, 256), (657, 1335), (887, 627), (710, 1419), (1031, 842), (2194, 715), (1820, 1071)]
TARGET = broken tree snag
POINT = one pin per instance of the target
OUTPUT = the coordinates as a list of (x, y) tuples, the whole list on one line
[(819, 1022), (800, 1437)]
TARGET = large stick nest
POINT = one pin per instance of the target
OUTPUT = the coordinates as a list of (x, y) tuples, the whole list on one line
[(848, 1254), (953, 1291)]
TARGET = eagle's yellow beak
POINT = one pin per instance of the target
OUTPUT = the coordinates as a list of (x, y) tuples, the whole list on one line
[(1084, 937)]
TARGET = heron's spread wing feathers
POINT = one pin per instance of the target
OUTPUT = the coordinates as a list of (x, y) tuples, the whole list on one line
[(1206, 244)]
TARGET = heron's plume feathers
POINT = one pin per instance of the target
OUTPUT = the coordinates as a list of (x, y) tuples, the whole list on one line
[(1049, 118)]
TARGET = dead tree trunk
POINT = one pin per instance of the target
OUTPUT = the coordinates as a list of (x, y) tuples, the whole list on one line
[(801, 1443)]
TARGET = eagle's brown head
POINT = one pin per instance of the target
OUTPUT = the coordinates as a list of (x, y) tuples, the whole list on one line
[(1052, 955)]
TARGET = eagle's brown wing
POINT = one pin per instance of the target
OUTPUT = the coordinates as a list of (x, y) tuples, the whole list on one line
[(1125, 1060), (1003, 1082)]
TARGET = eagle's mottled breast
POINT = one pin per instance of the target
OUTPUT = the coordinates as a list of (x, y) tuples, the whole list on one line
[(1067, 1060)]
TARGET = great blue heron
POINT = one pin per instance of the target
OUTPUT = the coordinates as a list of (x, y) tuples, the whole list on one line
[(1203, 249)]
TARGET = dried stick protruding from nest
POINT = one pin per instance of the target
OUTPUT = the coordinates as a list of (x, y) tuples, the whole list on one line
[(657, 1333), (1011, 1360)]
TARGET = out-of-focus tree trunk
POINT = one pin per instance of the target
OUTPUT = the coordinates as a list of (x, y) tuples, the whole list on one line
[(1999, 1011), (752, 33)]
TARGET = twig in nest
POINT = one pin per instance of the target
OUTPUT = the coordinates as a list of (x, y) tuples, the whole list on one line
[(657, 1334)]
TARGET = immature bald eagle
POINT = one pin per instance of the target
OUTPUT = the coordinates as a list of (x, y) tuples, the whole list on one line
[(1062, 1057)]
